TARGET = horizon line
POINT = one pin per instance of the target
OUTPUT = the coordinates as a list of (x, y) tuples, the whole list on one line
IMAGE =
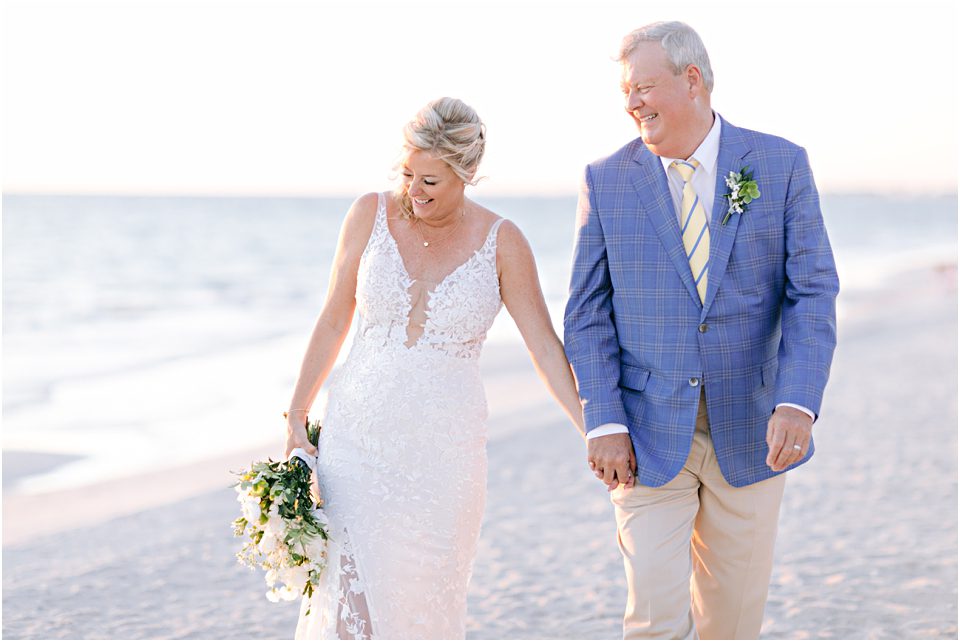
[(352, 196)]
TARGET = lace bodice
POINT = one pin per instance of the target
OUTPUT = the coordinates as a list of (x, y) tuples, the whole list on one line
[(456, 313)]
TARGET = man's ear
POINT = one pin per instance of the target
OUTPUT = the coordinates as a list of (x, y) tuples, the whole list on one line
[(694, 79)]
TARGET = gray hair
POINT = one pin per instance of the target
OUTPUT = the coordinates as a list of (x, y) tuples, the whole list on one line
[(681, 43), (450, 130)]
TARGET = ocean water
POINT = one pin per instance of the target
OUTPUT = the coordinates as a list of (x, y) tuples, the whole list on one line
[(147, 331)]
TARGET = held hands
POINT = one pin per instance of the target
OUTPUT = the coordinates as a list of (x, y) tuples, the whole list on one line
[(788, 437), (612, 460), (297, 434)]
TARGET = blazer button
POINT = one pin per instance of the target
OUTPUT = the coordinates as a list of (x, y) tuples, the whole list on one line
[(694, 381), (703, 328)]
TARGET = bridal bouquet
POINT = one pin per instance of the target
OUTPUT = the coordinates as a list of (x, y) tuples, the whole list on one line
[(285, 525)]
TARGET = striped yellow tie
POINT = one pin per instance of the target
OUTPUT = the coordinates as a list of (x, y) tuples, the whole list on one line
[(693, 227)]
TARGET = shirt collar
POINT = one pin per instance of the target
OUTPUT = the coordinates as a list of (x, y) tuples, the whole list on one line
[(708, 151)]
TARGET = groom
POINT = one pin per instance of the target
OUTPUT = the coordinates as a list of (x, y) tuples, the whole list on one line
[(701, 327)]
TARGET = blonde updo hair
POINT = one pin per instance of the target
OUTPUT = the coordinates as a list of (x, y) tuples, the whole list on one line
[(450, 130)]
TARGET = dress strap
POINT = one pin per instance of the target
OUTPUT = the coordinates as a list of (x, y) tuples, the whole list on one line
[(488, 252), (492, 234), (381, 207), (380, 221), (380, 230)]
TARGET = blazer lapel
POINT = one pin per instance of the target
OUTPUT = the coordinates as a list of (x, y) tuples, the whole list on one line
[(650, 181), (733, 150)]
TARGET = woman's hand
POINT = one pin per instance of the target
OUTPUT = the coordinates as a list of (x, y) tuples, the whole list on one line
[(297, 434)]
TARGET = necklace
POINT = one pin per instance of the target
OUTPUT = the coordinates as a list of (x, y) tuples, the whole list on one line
[(453, 229)]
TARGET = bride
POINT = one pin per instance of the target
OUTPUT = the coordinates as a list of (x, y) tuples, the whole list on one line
[(402, 454)]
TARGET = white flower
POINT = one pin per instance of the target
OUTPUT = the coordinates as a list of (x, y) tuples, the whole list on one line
[(250, 507), (316, 549), (269, 543), (275, 525), (743, 190), (273, 595), (295, 576), (289, 593), (272, 576)]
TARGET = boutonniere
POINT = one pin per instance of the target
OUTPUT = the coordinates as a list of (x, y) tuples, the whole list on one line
[(743, 190)]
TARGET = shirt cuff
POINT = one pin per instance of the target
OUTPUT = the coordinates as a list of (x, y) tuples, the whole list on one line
[(802, 408), (607, 429)]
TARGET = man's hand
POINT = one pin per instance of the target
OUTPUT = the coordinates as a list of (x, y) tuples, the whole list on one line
[(612, 460), (788, 437)]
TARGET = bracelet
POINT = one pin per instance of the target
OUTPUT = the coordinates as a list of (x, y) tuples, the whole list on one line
[(292, 410)]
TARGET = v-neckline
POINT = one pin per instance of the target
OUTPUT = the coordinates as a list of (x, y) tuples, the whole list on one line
[(436, 286), (430, 292)]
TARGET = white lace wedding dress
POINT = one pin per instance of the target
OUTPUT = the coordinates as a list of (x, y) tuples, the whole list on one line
[(402, 460)]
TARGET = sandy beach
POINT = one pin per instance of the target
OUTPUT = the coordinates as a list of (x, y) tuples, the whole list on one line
[(868, 529)]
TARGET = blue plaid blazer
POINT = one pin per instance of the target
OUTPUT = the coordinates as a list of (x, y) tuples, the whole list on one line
[(641, 343)]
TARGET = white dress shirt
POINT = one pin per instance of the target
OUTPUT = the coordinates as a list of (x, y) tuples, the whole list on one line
[(704, 176), (705, 185)]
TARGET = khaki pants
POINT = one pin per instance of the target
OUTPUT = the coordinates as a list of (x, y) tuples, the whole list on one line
[(697, 525)]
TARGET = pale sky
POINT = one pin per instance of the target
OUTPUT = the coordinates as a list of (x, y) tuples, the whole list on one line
[(308, 98)]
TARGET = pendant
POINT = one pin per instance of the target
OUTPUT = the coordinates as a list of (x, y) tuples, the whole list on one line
[(426, 244)]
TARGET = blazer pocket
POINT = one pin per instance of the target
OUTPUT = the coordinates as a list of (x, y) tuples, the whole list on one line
[(768, 375), (633, 378)]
